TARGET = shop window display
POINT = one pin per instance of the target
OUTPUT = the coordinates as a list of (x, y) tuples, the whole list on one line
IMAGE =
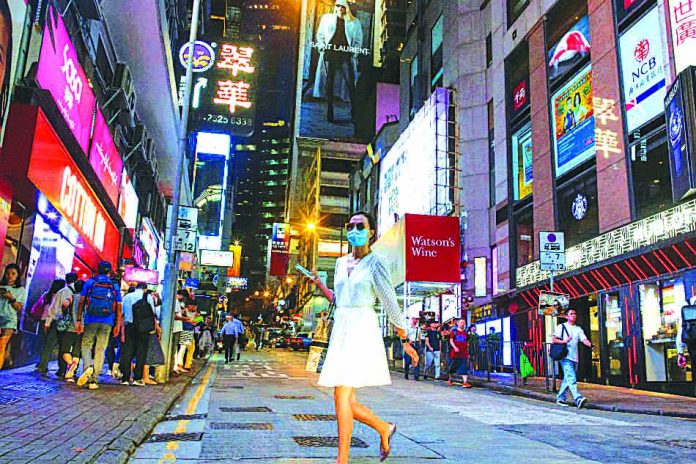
[(660, 305)]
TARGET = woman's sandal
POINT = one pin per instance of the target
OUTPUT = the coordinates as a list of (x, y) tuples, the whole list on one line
[(384, 454)]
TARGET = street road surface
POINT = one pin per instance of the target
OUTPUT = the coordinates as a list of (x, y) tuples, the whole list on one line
[(257, 410)]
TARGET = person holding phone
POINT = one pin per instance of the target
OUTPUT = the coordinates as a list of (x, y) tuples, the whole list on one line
[(356, 357), (12, 296)]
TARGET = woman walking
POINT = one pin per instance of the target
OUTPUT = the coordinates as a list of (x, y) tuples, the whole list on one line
[(69, 342), (12, 297), (55, 301), (356, 357)]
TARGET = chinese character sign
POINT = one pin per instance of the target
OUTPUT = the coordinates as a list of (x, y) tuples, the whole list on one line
[(105, 159), (60, 73), (682, 15)]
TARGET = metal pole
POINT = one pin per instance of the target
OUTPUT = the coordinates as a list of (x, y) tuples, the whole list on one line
[(171, 270), (551, 281)]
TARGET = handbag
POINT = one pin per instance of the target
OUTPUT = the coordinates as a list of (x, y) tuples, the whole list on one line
[(559, 351), (317, 351)]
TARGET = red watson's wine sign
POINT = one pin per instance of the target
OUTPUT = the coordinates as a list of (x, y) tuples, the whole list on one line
[(433, 249)]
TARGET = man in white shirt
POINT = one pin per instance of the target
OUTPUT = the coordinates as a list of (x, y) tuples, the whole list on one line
[(570, 334), (136, 343)]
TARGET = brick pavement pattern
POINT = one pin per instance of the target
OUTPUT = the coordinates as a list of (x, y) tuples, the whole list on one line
[(45, 420)]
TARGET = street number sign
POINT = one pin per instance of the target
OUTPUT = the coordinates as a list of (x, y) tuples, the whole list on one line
[(552, 251)]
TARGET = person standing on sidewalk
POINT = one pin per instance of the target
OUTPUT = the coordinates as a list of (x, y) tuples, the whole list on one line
[(64, 321), (413, 333), (570, 334), (56, 299), (12, 297), (432, 350), (101, 303), (229, 338), (459, 354), (138, 310), (240, 334), (70, 343)]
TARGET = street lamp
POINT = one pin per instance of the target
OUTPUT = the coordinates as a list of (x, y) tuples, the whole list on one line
[(266, 294)]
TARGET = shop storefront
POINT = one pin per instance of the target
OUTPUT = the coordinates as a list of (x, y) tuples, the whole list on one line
[(628, 287)]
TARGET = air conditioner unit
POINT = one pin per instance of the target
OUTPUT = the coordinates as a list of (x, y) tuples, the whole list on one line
[(89, 9), (124, 81), (140, 136)]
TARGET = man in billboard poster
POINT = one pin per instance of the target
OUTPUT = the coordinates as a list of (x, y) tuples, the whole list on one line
[(335, 93)]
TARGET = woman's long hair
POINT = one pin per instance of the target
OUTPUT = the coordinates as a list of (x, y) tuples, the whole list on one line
[(18, 282), (56, 286), (6, 84)]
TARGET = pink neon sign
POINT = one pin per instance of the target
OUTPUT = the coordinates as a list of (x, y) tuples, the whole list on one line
[(60, 73), (104, 158), (136, 274)]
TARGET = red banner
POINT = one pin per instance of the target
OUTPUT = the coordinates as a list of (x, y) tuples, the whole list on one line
[(432, 248), (57, 176)]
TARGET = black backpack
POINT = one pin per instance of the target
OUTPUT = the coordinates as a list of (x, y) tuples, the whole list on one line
[(143, 316), (689, 324)]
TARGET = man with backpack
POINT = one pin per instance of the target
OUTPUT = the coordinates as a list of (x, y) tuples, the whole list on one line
[(570, 335), (100, 302), (140, 321), (686, 337)]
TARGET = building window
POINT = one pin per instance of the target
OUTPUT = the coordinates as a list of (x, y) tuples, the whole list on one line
[(489, 50), (413, 86), (577, 210), (515, 9), (524, 236), (491, 153), (436, 71), (652, 187)]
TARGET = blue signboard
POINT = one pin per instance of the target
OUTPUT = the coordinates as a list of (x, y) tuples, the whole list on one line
[(679, 154), (191, 283)]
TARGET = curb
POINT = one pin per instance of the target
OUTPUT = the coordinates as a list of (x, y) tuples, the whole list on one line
[(119, 450), (549, 398)]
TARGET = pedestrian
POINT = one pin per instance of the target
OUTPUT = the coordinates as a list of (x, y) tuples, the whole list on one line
[(70, 343), (100, 302), (570, 334), (199, 320), (413, 334), (207, 340), (493, 343), (155, 353), (55, 301), (432, 350), (229, 338), (239, 334), (185, 353), (474, 341), (12, 298), (139, 322), (356, 357), (177, 326), (64, 322), (459, 354)]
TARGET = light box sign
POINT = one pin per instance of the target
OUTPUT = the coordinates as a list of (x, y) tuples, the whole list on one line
[(105, 159), (480, 277), (217, 258), (148, 237), (682, 16), (432, 248), (279, 249), (60, 73), (236, 268), (573, 47), (642, 70), (223, 92), (678, 136), (414, 175), (53, 171), (522, 162), (573, 122), (336, 68), (520, 96), (137, 274), (128, 202), (236, 283)]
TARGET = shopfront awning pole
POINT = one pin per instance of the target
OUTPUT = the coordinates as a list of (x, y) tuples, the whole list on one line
[(171, 269)]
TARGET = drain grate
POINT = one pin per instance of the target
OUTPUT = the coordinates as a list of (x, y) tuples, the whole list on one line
[(31, 387), (327, 442), (248, 409), (314, 417), (186, 417), (688, 444), (160, 437), (240, 426), (5, 400), (293, 397)]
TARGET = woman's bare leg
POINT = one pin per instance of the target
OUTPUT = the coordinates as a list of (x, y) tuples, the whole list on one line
[(5, 335), (365, 415), (344, 416)]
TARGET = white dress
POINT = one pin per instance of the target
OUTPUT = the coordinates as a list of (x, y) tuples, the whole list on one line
[(356, 356)]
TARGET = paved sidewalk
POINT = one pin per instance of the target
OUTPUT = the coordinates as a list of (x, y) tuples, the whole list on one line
[(601, 397), (47, 420)]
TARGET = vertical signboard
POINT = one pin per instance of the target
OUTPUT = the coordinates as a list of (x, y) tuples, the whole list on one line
[(105, 159), (60, 73), (522, 162), (642, 70), (573, 122), (235, 269), (573, 47), (12, 16), (680, 154), (280, 249), (682, 18), (338, 62)]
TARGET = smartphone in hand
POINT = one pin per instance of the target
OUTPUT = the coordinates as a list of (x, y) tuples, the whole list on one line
[(304, 271)]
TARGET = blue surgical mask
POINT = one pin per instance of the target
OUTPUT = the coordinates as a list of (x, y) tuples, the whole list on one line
[(358, 238)]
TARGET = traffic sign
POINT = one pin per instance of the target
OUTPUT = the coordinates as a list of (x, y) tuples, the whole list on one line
[(186, 229), (552, 251)]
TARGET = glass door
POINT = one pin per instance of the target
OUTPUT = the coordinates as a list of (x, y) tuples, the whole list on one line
[(595, 337), (614, 348)]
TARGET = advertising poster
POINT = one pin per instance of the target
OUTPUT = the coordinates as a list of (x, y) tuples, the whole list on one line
[(625, 7), (337, 88), (642, 70), (105, 159), (522, 162), (12, 16), (573, 122), (553, 304), (60, 73), (236, 268), (679, 155), (280, 249), (573, 47)]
